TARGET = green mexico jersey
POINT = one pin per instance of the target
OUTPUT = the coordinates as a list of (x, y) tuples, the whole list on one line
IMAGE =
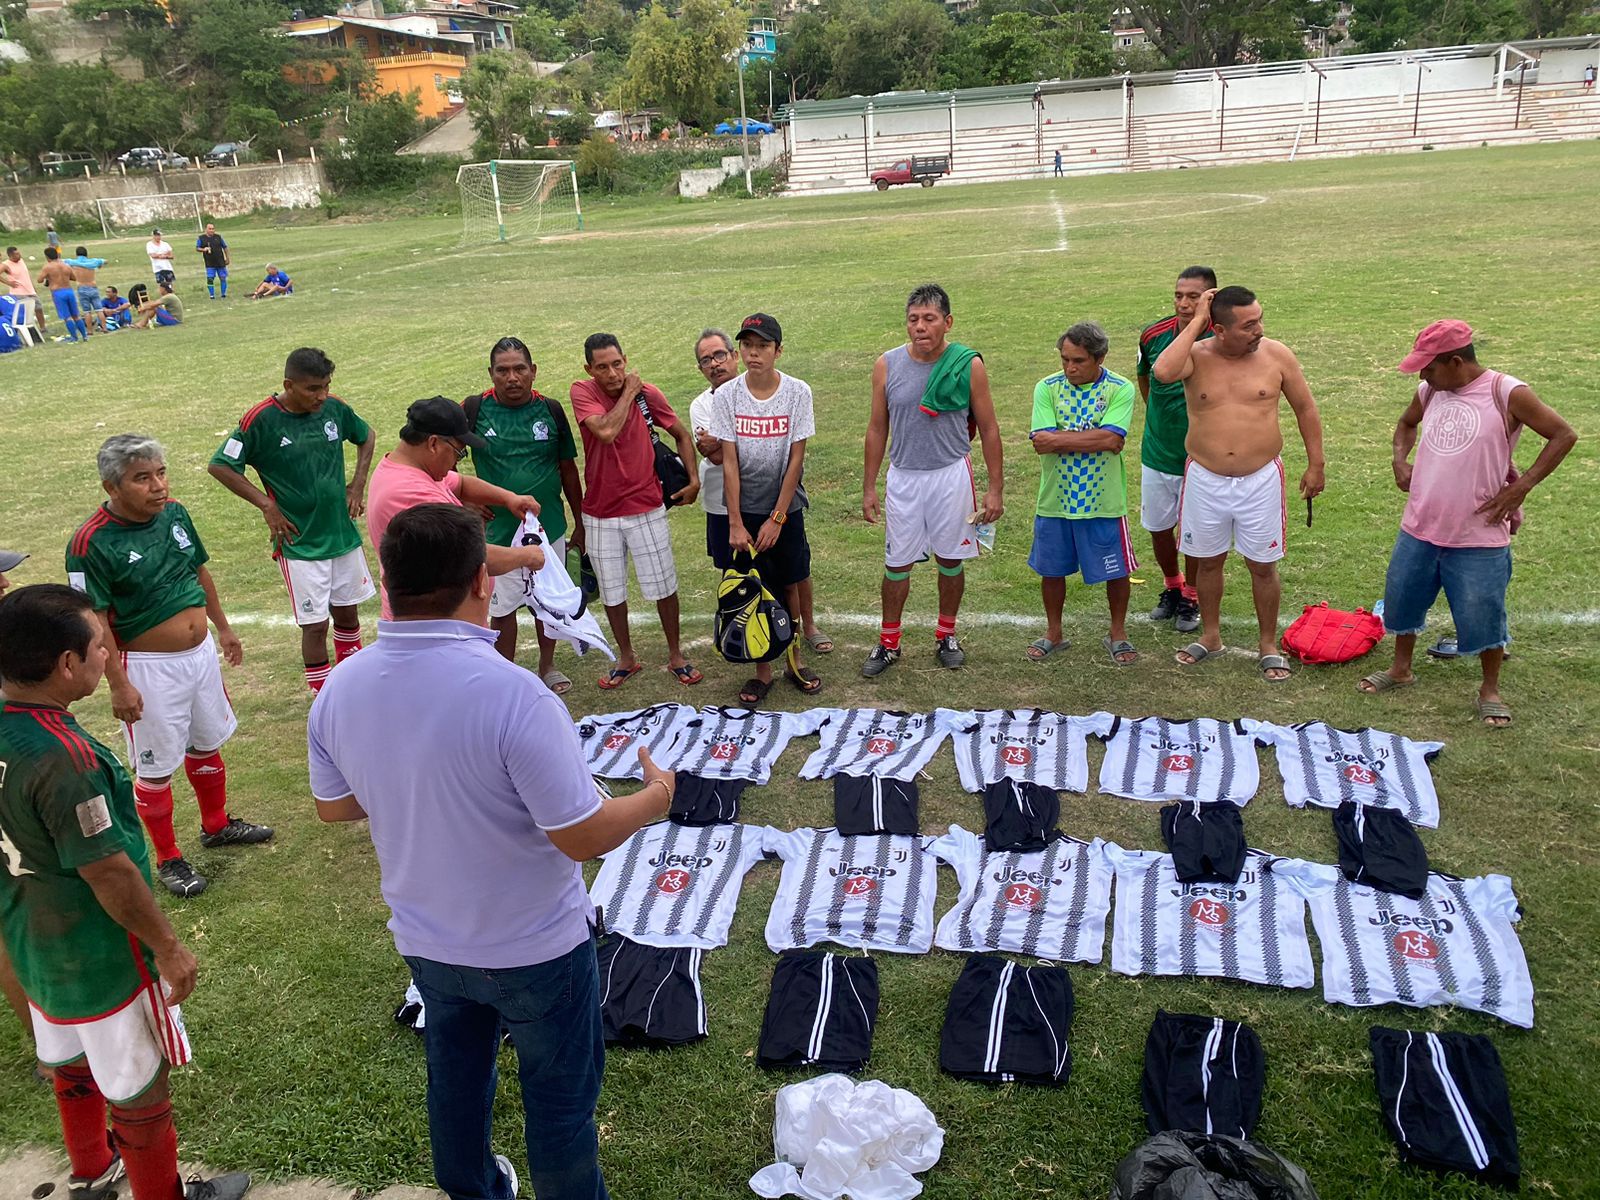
[(1082, 485), (300, 459), (138, 574), (65, 802), (1166, 414), (527, 446)]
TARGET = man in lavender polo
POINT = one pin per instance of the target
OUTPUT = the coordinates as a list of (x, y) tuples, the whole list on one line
[(456, 755), (1463, 502)]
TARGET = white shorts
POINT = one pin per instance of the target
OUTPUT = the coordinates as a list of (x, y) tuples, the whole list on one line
[(1248, 513), (316, 586), (186, 707), (124, 1049), (511, 589), (926, 512), (646, 539), (1158, 499)]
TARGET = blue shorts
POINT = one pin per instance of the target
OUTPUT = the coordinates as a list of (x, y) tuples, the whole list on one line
[(1474, 579), (88, 297), (1095, 547), (66, 303), (213, 273)]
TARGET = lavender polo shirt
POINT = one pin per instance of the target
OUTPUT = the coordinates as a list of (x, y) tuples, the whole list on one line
[(463, 761)]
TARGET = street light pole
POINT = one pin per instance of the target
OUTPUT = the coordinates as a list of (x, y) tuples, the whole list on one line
[(744, 132)]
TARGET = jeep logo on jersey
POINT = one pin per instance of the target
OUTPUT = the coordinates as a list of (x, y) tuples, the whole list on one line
[(1211, 913), (182, 538), (616, 741), (681, 860), (330, 430), (1016, 756), (673, 881), (1177, 762), (724, 751), (1356, 773), (1023, 895), (880, 745), (1416, 946), (857, 886), (1427, 925)]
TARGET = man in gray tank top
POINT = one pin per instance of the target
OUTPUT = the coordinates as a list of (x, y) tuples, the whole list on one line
[(927, 396)]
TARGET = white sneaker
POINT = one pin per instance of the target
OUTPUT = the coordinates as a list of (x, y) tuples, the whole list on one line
[(504, 1163)]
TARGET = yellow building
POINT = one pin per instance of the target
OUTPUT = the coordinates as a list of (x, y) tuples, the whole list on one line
[(408, 52)]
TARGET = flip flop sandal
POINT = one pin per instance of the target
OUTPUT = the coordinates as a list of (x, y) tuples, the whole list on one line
[(618, 676), (807, 680), (822, 643), (1120, 646), (1382, 681), (1488, 709), (1198, 653), (754, 691), (687, 675), (1273, 662), (1045, 648), (557, 683)]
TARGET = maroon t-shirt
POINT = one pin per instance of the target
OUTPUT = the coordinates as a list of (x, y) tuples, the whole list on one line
[(619, 479)]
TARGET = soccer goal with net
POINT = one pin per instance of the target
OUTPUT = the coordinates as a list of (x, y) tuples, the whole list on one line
[(509, 198), (176, 210)]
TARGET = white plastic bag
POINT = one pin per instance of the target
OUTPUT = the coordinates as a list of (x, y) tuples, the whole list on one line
[(835, 1138)]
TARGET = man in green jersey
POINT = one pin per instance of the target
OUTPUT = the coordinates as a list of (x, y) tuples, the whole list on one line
[(103, 970), (528, 449), (295, 441), (1162, 455), (140, 561), (1080, 418)]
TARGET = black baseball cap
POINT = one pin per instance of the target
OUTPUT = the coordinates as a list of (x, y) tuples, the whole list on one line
[(440, 416), (762, 326)]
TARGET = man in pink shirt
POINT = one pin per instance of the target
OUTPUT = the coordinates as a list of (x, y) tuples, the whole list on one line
[(421, 470), (623, 513), (1463, 502), (14, 273)]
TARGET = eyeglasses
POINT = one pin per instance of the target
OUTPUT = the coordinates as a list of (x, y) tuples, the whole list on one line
[(714, 360), (460, 451)]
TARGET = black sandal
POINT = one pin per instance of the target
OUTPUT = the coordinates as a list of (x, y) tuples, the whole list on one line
[(807, 680), (754, 691)]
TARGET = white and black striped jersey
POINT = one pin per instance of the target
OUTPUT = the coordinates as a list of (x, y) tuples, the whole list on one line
[(611, 741), (1252, 929), (1456, 945), (1327, 766), (677, 885), (1153, 758), (872, 741), (736, 743), (1050, 903), (1029, 745), (874, 891)]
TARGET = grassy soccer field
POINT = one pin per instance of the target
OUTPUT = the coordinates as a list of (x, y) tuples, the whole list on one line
[(301, 1071)]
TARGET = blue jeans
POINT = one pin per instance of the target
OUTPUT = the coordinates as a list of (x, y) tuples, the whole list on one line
[(1474, 580), (553, 1013)]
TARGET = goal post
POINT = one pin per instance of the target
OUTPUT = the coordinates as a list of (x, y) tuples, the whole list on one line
[(120, 213), (507, 198)]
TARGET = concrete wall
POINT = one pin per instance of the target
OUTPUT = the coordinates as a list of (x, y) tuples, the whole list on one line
[(225, 192), (766, 149)]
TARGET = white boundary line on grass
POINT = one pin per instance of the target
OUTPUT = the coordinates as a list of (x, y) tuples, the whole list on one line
[(1061, 224)]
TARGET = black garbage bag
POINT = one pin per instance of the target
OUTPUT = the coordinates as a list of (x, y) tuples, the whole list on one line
[(1194, 1166)]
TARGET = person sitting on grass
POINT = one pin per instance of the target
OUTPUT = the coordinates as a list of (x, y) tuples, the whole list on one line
[(165, 309), (115, 311), (276, 283)]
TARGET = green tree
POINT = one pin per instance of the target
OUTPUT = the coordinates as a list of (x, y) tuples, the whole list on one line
[(599, 26), (805, 55), (375, 130), (504, 101), (685, 63), (1013, 49), (600, 161), (45, 106), (1218, 33), (541, 35), (1379, 25)]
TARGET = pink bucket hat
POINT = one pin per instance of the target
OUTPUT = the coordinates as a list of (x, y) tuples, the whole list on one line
[(1439, 338)]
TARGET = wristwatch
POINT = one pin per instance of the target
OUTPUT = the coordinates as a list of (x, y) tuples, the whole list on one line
[(778, 518)]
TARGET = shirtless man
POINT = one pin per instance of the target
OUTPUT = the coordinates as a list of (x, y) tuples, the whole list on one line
[(1233, 487), (63, 285)]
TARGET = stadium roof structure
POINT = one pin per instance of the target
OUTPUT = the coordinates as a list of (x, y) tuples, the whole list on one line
[(966, 97)]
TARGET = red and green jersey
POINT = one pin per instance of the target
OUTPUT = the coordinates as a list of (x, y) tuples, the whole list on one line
[(138, 573), (526, 446), (1166, 416), (65, 802), (300, 459)]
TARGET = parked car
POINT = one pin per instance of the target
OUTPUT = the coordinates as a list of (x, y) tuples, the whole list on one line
[(68, 162), (226, 154), (151, 157), (911, 170), (751, 125)]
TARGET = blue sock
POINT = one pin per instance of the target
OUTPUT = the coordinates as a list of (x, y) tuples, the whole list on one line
[(224, 289), (212, 289), (83, 329)]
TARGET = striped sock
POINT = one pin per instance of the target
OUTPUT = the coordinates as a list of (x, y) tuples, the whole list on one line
[(945, 627), (316, 674), (345, 643), (83, 1120), (148, 1141), (889, 635)]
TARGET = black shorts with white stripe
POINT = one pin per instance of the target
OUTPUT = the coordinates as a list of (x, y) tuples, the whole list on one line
[(1202, 1075), (821, 1012), (1380, 848), (1444, 1101), (1205, 839), (697, 800), (865, 804), (649, 995), (1020, 816), (1008, 1023)]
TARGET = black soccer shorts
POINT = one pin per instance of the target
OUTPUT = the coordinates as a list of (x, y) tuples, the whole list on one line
[(1008, 1023), (821, 1011), (865, 804), (700, 801), (1020, 816), (1205, 839), (1380, 847), (1202, 1075), (649, 995)]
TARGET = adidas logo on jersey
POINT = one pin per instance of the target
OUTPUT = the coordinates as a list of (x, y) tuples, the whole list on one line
[(285, 442), (134, 556), (489, 432)]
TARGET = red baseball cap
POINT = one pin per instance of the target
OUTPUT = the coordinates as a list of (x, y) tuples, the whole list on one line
[(1439, 338)]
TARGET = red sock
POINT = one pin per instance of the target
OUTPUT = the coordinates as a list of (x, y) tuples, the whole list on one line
[(1189, 593), (1173, 581), (83, 1120), (889, 635), (345, 643), (155, 810), (945, 627), (316, 674), (148, 1141), (209, 778)]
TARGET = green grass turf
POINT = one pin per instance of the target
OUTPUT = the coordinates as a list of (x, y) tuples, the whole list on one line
[(300, 1070)]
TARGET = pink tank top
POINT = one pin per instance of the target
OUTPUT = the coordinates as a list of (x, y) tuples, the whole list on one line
[(1463, 459)]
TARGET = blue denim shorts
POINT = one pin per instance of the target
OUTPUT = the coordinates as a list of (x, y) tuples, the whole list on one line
[(1474, 579)]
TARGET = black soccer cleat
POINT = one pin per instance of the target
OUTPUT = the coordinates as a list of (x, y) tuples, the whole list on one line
[(1188, 615), (1168, 604), (950, 654), (879, 661), (81, 1188), (218, 1187), (237, 832), (179, 878)]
